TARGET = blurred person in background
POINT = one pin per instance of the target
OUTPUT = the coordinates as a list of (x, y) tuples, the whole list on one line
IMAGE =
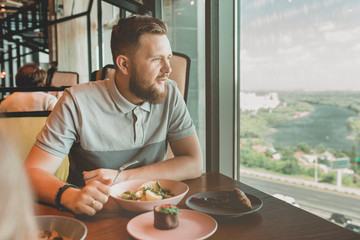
[(16, 199), (29, 75), (50, 73)]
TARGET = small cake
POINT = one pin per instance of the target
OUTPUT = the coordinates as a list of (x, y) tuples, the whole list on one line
[(166, 216)]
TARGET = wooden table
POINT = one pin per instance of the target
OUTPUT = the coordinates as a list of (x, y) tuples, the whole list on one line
[(275, 220)]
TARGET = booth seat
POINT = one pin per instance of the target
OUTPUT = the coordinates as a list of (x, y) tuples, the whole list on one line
[(21, 129)]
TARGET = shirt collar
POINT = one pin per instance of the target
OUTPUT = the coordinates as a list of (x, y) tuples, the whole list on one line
[(120, 101)]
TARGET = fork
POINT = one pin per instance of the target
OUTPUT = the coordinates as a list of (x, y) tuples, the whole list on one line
[(123, 167)]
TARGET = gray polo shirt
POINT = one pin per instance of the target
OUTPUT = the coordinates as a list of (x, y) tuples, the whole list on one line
[(98, 128)]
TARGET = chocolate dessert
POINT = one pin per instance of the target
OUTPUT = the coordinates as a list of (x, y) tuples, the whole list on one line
[(166, 216), (236, 199)]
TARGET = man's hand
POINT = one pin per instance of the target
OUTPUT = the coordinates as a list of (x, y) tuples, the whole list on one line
[(88, 200), (100, 174)]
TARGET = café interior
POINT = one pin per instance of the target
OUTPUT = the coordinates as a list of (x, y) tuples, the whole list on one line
[(73, 38)]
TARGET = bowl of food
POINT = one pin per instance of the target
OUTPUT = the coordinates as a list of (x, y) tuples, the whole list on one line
[(142, 195), (60, 227)]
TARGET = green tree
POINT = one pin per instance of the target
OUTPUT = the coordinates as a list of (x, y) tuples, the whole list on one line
[(340, 154), (252, 159), (304, 147), (353, 156), (291, 168), (324, 161), (286, 152), (304, 107), (320, 148), (252, 126), (329, 178), (310, 171)]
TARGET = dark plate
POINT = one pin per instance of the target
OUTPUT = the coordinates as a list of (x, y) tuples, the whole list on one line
[(223, 212)]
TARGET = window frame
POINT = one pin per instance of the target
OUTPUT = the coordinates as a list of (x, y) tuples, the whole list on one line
[(221, 87)]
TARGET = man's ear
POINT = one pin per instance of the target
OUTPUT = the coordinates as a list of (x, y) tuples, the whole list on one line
[(122, 63)]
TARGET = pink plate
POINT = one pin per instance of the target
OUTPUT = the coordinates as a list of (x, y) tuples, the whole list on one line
[(192, 225)]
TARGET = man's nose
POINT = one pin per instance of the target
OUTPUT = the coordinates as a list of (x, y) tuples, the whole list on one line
[(166, 68)]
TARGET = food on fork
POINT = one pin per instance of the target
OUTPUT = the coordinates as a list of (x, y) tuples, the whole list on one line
[(166, 216), (236, 199), (148, 191)]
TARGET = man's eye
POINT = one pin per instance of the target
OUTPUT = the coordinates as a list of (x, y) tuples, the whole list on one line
[(156, 59)]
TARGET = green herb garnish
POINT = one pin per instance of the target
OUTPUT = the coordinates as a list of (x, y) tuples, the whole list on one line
[(170, 210)]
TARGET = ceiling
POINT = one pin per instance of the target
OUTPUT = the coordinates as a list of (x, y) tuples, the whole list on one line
[(8, 7)]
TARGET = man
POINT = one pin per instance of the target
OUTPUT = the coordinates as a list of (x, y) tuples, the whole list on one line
[(104, 124), (29, 75)]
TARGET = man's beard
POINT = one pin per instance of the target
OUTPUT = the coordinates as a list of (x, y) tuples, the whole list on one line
[(151, 94)]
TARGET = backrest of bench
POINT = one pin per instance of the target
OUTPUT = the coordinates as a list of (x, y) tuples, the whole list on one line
[(21, 132)]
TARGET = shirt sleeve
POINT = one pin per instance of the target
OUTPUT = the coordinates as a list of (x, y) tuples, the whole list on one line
[(180, 122), (52, 100), (61, 127)]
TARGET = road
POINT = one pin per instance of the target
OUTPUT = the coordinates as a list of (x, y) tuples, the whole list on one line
[(319, 202)]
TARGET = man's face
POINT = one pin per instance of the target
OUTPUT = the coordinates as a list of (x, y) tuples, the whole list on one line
[(150, 68)]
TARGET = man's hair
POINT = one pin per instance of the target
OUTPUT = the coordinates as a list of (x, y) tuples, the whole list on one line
[(125, 36), (30, 75)]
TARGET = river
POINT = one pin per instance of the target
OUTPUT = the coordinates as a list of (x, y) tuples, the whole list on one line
[(326, 126)]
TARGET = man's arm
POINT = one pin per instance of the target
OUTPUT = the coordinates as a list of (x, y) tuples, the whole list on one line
[(187, 164), (41, 166)]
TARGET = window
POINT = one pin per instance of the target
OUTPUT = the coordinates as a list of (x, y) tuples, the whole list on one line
[(186, 23), (110, 17), (300, 102)]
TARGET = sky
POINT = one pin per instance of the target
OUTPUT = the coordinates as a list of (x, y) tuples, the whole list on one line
[(307, 45)]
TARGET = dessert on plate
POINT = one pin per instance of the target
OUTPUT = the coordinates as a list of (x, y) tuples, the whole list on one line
[(235, 199), (166, 216)]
